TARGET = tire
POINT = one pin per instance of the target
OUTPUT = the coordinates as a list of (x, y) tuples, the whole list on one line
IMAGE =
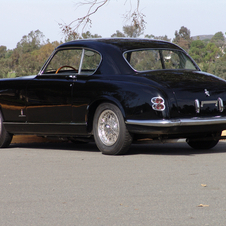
[(5, 137), (110, 133), (204, 144)]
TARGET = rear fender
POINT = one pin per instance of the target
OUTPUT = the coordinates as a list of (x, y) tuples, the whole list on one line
[(91, 109)]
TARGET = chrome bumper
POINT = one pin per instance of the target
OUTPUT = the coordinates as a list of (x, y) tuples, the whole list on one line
[(196, 121)]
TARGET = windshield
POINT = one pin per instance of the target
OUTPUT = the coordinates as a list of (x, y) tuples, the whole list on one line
[(157, 59)]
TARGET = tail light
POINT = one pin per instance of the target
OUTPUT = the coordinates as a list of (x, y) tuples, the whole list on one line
[(158, 103)]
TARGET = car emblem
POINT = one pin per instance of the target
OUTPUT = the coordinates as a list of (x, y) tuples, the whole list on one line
[(207, 93)]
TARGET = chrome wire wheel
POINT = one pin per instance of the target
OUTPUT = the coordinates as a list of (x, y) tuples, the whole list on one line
[(109, 130), (108, 127)]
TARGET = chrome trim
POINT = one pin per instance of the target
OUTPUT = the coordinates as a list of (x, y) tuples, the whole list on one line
[(197, 106), (196, 121), (209, 102), (22, 114), (220, 104), (81, 61), (45, 124), (108, 128)]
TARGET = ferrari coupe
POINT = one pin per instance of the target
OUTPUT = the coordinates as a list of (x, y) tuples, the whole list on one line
[(115, 92)]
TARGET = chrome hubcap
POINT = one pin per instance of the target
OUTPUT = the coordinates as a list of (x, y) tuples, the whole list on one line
[(108, 127)]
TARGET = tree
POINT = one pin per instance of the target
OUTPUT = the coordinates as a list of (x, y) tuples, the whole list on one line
[(164, 38), (34, 40), (183, 38), (24, 58), (31, 62), (135, 16), (223, 58), (3, 51), (183, 33), (218, 39), (5, 62), (212, 53), (128, 31), (118, 34), (197, 50), (28, 64), (89, 35), (42, 54), (218, 68), (132, 31)]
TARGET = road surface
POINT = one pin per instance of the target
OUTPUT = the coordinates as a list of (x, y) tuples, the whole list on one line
[(64, 184)]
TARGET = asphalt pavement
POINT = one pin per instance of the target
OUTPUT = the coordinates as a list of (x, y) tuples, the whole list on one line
[(66, 184)]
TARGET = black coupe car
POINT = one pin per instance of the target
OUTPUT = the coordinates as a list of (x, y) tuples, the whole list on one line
[(116, 91)]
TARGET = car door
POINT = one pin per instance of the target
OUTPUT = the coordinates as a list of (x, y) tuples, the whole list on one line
[(49, 103), (57, 98)]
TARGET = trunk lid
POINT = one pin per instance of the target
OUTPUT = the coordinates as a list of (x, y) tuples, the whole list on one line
[(196, 93)]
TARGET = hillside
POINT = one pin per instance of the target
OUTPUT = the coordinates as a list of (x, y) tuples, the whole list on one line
[(202, 37)]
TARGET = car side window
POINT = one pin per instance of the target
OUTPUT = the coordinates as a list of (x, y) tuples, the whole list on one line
[(158, 59), (171, 60), (144, 60), (176, 60), (79, 61), (90, 62)]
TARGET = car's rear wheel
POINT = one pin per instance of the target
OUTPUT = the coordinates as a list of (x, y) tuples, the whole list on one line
[(206, 142), (5, 137), (110, 132)]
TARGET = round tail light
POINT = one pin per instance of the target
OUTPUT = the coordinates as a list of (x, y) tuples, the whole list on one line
[(158, 104)]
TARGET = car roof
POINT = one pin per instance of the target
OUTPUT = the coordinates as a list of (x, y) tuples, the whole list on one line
[(124, 44)]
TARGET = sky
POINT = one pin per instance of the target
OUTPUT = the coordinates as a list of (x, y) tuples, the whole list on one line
[(163, 17)]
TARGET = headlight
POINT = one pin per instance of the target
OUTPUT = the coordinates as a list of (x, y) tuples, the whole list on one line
[(158, 103)]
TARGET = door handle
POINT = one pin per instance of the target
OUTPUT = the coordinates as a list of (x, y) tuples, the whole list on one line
[(73, 77)]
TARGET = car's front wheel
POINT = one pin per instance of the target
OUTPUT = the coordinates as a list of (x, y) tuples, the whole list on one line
[(206, 142), (110, 132), (5, 137)]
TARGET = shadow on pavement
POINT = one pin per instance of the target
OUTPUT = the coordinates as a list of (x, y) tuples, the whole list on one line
[(173, 149), (64, 146), (135, 149)]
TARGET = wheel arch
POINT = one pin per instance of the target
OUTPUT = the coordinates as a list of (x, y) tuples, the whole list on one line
[(91, 109)]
